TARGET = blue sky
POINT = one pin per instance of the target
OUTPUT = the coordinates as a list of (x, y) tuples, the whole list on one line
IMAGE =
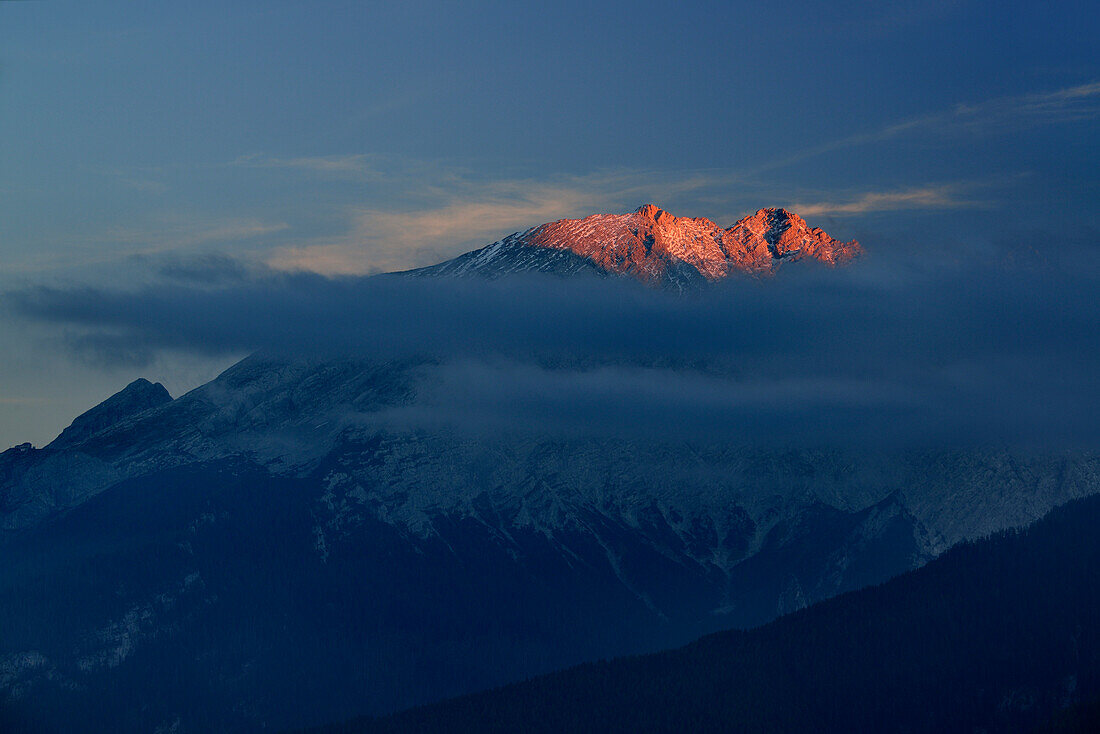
[(348, 138)]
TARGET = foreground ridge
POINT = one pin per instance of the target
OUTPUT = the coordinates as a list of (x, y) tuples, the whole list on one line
[(1004, 636)]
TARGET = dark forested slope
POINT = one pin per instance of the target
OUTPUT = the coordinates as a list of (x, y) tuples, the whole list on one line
[(998, 635)]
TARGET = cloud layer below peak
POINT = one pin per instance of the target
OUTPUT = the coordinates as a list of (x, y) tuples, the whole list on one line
[(880, 352)]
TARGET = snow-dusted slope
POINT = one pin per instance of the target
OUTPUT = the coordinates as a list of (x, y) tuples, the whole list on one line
[(279, 494), (292, 416), (655, 247), (280, 414)]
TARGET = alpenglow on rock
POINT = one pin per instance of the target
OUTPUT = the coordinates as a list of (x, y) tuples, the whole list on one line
[(655, 247)]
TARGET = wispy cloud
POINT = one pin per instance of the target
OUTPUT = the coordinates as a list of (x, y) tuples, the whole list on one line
[(4, 400), (387, 240), (462, 212), (418, 213), (146, 179), (154, 237), (146, 185), (182, 233), (358, 164), (947, 196), (1000, 114), (464, 215)]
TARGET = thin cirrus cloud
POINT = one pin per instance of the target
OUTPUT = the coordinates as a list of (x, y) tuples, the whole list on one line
[(358, 164), (162, 236), (385, 240), (468, 213), (947, 196), (381, 240), (455, 211), (1000, 114), (185, 233), (425, 212), (22, 401)]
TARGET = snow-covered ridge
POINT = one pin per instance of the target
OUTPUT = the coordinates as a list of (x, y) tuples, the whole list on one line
[(655, 247)]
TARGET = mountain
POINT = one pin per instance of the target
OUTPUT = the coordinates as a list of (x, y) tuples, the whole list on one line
[(278, 548), (655, 247), (267, 550), (995, 636)]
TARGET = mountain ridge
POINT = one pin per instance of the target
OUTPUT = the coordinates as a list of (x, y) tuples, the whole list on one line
[(289, 549), (137, 397), (655, 247)]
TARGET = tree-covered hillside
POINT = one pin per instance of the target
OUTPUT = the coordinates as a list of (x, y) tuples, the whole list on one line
[(999, 635)]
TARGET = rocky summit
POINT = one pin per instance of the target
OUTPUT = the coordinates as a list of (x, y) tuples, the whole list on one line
[(655, 247)]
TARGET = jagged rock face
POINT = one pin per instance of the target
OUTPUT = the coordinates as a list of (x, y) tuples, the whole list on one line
[(787, 237), (650, 243), (656, 247)]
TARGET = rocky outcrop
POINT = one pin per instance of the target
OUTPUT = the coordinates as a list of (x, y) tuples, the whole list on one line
[(650, 243), (656, 247)]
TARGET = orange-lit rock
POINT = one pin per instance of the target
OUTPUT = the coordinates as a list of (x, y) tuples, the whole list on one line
[(647, 243), (655, 247)]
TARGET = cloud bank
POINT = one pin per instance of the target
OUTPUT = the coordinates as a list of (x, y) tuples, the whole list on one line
[(882, 352)]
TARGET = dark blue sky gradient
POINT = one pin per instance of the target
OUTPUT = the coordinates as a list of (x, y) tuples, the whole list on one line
[(350, 137)]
